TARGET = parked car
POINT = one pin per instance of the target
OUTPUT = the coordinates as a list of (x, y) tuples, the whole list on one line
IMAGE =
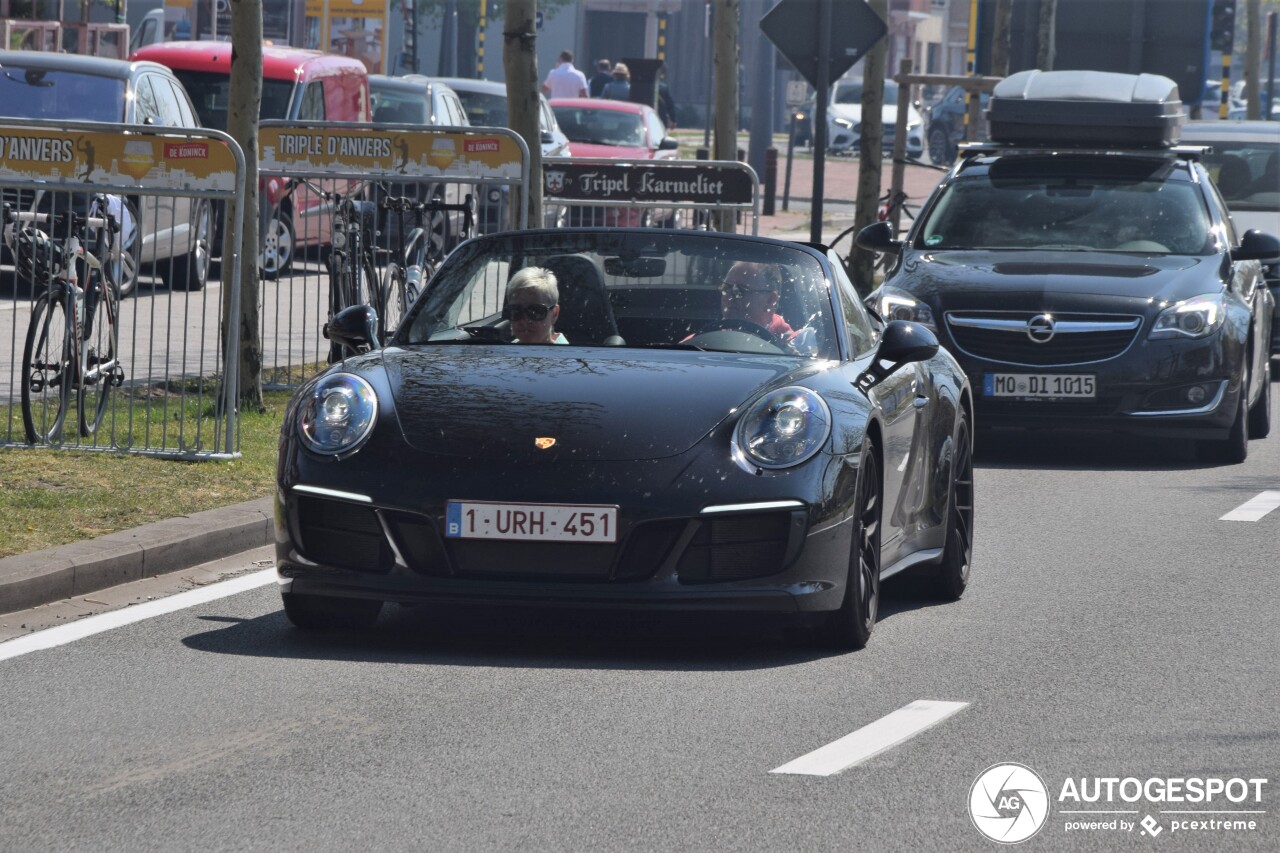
[(1086, 273), (417, 100), (297, 85), (175, 234), (844, 119), (800, 471), (617, 130), (946, 125), (486, 104), (1245, 164)]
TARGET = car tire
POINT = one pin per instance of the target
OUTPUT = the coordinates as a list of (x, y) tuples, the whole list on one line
[(849, 628), (951, 575), (191, 271), (940, 147), (278, 244), (130, 250), (1260, 414), (1233, 449), (326, 613)]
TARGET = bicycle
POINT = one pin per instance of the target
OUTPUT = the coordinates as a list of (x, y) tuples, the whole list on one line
[(353, 270), (416, 259), (73, 336)]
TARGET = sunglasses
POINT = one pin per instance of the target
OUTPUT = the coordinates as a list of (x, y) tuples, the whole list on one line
[(534, 312)]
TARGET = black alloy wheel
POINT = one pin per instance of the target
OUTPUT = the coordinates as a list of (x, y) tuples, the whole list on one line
[(951, 575), (191, 271), (849, 628), (325, 613), (940, 147)]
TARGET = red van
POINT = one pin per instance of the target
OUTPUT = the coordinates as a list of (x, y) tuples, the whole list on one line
[(297, 85)]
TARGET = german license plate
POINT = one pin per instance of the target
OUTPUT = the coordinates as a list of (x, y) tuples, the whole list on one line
[(1045, 386), (531, 522)]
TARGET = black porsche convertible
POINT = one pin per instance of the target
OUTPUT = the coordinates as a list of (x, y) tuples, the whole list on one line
[(717, 422)]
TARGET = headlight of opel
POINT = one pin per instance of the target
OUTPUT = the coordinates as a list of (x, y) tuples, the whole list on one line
[(900, 305), (1196, 317), (783, 428), (339, 415)]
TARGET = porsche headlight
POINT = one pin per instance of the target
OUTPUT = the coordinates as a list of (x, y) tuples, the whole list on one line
[(339, 415), (899, 305), (843, 122), (783, 428), (1196, 317)]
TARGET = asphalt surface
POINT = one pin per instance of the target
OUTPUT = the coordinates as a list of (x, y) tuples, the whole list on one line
[(1115, 627)]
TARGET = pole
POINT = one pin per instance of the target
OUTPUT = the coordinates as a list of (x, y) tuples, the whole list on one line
[(449, 40), (480, 28), (706, 37), (1268, 111), (823, 92)]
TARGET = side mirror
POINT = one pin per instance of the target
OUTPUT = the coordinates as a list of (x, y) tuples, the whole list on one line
[(355, 328), (668, 143), (878, 237), (1257, 245), (546, 138), (902, 342)]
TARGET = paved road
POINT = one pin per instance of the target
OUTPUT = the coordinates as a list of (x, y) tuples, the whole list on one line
[(1116, 627)]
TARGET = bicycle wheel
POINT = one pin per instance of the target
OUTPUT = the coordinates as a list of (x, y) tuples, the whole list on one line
[(46, 369), (101, 353), (393, 303)]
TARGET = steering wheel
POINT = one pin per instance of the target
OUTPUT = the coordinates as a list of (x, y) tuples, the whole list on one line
[(738, 324)]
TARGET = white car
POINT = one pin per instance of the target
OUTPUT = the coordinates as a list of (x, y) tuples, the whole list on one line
[(844, 118)]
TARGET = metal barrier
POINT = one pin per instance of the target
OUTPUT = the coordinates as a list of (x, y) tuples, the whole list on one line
[(660, 193), (170, 390), (302, 162)]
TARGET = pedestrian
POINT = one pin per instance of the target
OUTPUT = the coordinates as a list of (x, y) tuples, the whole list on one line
[(619, 88), (666, 104), (565, 81), (595, 86)]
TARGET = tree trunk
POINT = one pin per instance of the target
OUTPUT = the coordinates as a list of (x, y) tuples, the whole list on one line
[(244, 101), (1000, 38), (870, 154), (520, 61), (725, 40), (1047, 34)]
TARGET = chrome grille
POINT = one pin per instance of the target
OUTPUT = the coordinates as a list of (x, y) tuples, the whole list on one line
[(1076, 338)]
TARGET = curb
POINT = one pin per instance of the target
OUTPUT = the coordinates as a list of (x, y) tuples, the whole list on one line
[(42, 577)]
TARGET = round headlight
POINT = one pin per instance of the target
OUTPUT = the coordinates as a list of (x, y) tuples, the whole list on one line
[(783, 428), (339, 415)]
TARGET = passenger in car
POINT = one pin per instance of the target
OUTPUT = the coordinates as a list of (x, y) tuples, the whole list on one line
[(533, 306), (750, 292)]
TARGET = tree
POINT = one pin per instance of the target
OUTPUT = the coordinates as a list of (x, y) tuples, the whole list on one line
[(244, 101), (870, 153), (520, 61), (726, 91), (1046, 35), (1001, 34)]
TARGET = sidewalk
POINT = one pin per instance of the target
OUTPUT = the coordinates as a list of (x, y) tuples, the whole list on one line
[(175, 544)]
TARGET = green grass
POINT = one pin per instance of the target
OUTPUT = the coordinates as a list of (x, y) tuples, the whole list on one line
[(53, 497)]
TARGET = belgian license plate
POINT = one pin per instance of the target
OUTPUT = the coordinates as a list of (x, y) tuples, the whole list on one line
[(531, 522), (1040, 385)]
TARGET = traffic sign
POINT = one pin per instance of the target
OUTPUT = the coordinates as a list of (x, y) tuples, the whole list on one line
[(797, 92), (792, 26)]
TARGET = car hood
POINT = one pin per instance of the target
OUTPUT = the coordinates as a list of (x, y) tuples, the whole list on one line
[(1055, 281), (610, 152), (888, 113), (491, 401)]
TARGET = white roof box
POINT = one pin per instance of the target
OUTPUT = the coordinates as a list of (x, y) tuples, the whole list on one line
[(1094, 108)]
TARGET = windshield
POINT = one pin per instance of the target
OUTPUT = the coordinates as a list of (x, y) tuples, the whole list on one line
[(851, 93), (684, 291), (1035, 203), (395, 107), (484, 110), (41, 93), (208, 91), (601, 127)]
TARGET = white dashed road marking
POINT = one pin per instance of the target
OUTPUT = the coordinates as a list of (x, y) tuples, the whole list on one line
[(873, 739), (91, 625), (1255, 509)]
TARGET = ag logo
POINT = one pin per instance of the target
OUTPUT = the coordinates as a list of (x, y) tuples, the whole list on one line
[(1008, 803)]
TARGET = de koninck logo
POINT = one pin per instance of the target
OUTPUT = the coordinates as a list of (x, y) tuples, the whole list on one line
[(1009, 803)]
